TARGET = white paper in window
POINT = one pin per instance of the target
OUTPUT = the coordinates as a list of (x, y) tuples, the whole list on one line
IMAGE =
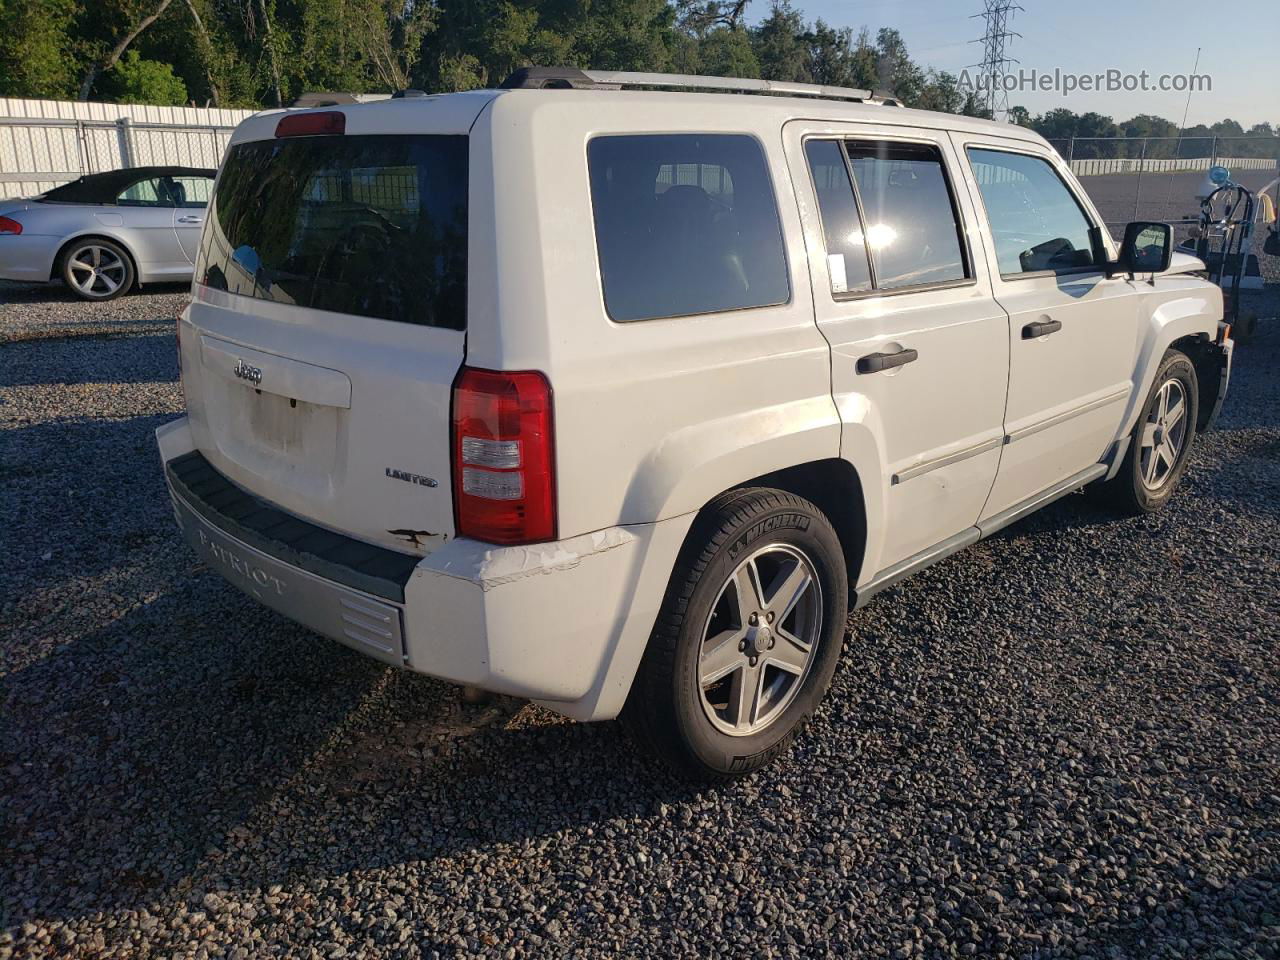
[(839, 279)]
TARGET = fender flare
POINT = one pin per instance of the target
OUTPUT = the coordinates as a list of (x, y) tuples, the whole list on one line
[(1195, 314), (696, 463)]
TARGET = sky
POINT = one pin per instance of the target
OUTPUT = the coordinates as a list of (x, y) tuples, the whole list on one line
[(1239, 51)]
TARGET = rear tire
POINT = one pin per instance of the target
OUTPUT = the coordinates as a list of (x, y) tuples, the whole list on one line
[(1161, 440), (96, 269), (747, 639)]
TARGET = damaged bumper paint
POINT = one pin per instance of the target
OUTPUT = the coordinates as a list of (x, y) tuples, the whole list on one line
[(562, 623)]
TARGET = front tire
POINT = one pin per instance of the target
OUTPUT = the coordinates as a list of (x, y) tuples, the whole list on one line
[(1161, 440), (96, 269), (748, 637)]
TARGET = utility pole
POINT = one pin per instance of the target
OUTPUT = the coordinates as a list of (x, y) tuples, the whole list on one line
[(997, 14)]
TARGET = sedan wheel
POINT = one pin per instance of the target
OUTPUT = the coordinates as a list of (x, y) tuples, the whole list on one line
[(97, 270)]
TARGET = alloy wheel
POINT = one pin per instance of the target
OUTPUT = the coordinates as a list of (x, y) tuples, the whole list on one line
[(1163, 435), (760, 640), (96, 271)]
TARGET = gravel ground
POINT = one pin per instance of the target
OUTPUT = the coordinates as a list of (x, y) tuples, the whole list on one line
[(1060, 743)]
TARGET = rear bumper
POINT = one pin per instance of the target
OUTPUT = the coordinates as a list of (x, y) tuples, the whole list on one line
[(27, 257), (561, 623)]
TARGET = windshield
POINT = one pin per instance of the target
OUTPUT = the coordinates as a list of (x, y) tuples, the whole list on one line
[(368, 225)]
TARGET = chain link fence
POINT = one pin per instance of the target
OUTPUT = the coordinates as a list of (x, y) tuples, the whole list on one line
[(1157, 178)]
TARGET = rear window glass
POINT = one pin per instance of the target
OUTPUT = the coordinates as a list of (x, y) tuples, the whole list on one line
[(685, 224), (369, 225)]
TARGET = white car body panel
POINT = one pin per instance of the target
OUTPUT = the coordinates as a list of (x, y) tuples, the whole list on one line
[(654, 418)]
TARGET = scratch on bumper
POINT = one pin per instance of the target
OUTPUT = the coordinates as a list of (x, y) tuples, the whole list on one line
[(503, 565)]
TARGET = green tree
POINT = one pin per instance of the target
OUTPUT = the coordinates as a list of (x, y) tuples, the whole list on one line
[(135, 80), (36, 57), (779, 44), (831, 55), (897, 72), (726, 52)]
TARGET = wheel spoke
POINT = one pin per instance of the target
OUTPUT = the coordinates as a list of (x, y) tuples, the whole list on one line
[(1148, 436), (80, 266), (97, 255), (747, 586), (1153, 461), (1174, 414), (784, 597), (1163, 405), (746, 695), (111, 285), (720, 657), (791, 653)]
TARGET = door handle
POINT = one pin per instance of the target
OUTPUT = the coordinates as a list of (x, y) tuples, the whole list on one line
[(875, 362), (1041, 328), (191, 219)]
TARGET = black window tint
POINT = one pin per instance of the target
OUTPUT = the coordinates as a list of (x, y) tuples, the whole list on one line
[(910, 217), (841, 225), (1036, 222), (368, 225), (685, 225)]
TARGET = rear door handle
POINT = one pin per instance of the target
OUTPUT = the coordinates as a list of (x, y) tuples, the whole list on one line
[(191, 219), (1041, 328), (875, 362)]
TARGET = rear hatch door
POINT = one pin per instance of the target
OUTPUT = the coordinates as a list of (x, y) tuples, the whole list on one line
[(329, 317)]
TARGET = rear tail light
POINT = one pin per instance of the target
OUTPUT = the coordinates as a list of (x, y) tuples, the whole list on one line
[(312, 124), (503, 456), (10, 226)]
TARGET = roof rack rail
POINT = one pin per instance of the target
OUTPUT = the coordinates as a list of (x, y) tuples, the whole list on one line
[(566, 78)]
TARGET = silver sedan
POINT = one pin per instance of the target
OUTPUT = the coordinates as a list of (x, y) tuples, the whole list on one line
[(108, 232)]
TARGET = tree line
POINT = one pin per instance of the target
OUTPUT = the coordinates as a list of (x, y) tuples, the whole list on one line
[(255, 53), (252, 53)]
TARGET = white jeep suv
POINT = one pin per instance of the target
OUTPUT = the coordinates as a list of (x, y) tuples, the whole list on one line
[(619, 399)]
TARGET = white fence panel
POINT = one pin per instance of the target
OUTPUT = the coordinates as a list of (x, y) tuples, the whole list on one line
[(44, 143)]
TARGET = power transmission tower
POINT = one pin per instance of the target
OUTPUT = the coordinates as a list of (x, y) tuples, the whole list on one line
[(997, 14)]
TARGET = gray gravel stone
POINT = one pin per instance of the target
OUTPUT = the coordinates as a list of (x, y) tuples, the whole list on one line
[(1059, 743)]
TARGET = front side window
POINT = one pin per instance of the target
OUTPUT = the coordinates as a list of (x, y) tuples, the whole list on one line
[(145, 193), (369, 225), (1035, 220), (909, 217), (190, 192), (685, 224), (893, 225)]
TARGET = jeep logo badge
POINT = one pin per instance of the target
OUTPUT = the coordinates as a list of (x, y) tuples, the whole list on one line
[(246, 372)]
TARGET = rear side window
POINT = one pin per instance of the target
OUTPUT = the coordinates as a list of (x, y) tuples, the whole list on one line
[(1035, 220), (911, 226), (369, 225), (685, 224), (888, 215)]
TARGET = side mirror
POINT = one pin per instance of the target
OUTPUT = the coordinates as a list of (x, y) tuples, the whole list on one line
[(1147, 248)]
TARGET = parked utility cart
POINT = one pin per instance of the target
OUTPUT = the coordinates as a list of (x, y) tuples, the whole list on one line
[(619, 398)]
